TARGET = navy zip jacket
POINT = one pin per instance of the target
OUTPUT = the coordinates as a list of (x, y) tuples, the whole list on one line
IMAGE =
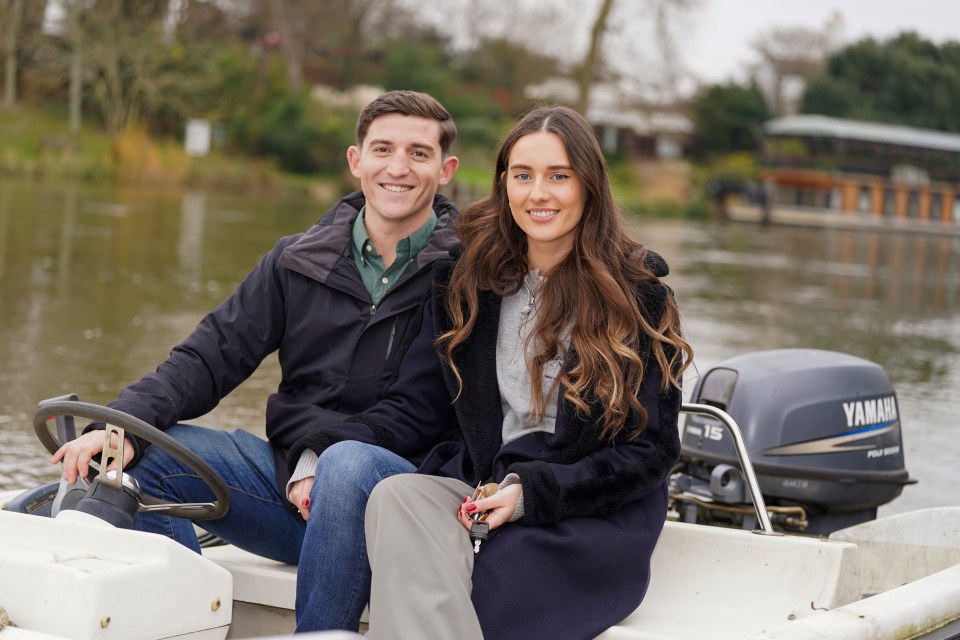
[(338, 352)]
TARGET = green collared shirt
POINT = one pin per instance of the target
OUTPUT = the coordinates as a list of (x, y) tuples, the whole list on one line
[(376, 277)]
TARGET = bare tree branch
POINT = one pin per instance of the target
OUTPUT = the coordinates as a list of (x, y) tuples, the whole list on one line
[(587, 73)]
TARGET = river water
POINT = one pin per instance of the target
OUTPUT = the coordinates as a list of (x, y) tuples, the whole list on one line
[(96, 285)]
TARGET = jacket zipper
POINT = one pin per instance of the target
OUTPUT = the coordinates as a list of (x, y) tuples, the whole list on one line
[(393, 334)]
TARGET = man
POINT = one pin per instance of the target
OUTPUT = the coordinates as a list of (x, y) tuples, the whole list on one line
[(340, 302)]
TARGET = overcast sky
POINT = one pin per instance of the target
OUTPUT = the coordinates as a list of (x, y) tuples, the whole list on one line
[(716, 42)]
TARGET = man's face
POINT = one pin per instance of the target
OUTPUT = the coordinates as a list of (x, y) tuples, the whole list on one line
[(400, 167)]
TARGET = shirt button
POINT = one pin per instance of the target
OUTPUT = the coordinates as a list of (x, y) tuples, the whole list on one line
[(369, 248), (384, 279)]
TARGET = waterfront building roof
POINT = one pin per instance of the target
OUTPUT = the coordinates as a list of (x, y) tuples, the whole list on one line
[(807, 125)]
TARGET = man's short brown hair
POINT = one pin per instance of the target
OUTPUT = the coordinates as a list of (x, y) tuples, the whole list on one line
[(409, 103)]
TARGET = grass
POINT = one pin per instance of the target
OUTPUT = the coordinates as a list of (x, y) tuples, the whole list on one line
[(37, 145)]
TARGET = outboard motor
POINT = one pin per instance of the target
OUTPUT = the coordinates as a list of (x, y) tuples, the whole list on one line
[(821, 428)]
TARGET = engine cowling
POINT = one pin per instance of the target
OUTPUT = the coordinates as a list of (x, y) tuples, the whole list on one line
[(823, 432)]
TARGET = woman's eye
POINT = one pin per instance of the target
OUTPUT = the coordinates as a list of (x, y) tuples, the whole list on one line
[(559, 176), (521, 176)]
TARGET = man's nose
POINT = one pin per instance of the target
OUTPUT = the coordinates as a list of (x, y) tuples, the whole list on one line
[(399, 164)]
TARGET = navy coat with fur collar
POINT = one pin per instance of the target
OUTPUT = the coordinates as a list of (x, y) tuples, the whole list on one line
[(593, 509)]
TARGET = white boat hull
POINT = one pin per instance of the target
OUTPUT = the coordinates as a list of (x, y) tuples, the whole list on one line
[(72, 578)]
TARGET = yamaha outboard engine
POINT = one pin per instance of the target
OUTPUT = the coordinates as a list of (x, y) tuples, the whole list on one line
[(822, 430)]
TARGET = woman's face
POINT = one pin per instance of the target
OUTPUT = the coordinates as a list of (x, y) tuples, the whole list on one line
[(546, 197)]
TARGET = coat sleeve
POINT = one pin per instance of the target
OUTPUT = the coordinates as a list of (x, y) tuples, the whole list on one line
[(611, 475), (224, 350), (414, 413)]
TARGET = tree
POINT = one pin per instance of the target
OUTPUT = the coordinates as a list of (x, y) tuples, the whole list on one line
[(498, 70), (75, 38), (728, 118), (291, 45), (904, 80), (115, 51), (595, 42), (591, 61), (125, 51), (324, 41), (14, 12), (598, 60), (789, 56)]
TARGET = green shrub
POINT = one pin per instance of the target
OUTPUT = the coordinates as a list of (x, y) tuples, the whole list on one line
[(300, 135)]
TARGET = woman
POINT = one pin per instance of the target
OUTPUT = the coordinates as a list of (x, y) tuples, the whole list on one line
[(559, 374)]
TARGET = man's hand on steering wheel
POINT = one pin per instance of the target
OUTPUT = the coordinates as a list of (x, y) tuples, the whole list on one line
[(77, 454)]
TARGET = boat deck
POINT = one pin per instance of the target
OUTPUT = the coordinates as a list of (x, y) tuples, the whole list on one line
[(722, 574)]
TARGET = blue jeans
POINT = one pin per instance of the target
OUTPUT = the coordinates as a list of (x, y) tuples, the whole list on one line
[(259, 519), (333, 575), (333, 579)]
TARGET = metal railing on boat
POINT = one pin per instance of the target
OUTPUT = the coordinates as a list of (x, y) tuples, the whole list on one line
[(745, 465)]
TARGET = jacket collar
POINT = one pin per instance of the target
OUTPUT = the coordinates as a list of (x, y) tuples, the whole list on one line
[(317, 252)]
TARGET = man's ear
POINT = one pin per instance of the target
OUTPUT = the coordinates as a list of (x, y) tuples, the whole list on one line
[(449, 167), (353, 160)]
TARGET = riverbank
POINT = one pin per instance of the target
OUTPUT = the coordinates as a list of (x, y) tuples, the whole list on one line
[(38, 146)]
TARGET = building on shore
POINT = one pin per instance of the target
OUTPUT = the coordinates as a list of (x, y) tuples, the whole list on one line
[(828, 171)]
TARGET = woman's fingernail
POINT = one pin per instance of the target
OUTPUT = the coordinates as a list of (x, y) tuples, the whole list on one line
[(305, 502), (465, 498), (471, 507)]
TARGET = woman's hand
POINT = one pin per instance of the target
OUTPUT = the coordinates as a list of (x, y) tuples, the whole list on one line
[(77, 454), (501, 505), (299, 495)]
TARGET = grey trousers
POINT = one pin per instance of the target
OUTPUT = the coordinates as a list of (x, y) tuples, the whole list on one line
[(421, 559)]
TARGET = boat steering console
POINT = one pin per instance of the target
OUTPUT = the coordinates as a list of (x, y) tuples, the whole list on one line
[(114, 496)]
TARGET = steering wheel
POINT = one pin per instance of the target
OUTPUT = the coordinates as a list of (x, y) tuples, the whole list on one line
[(139, 428)]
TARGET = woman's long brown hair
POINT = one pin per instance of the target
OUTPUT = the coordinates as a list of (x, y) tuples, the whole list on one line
[(591, 293)]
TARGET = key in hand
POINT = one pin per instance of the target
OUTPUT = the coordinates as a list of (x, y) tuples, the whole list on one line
[(479, 530), (478, 533)]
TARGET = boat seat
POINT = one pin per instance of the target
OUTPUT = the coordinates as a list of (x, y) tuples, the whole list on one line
[(714, 582), (708, 582)]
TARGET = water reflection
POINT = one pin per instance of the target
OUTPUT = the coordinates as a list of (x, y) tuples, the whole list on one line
[(96, 285), (193, 215), (23, 463)]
